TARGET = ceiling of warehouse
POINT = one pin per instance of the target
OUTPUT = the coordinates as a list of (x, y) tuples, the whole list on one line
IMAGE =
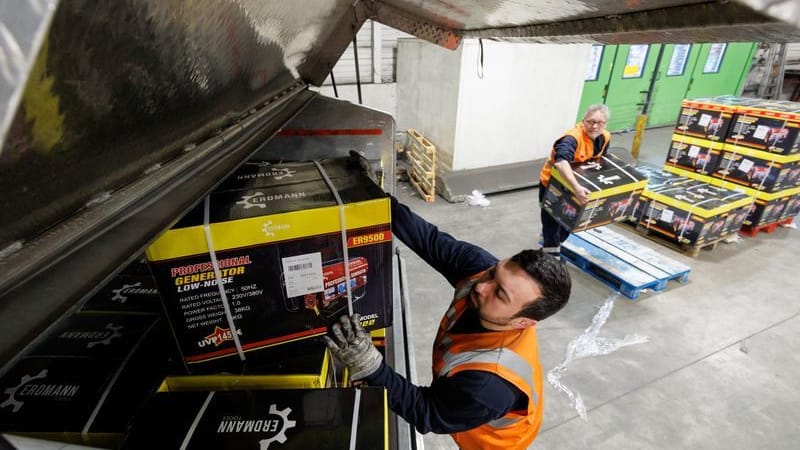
[(594, 21)]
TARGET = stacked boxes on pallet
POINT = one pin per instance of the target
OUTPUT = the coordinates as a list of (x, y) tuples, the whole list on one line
[(692, 212), (743, 144)]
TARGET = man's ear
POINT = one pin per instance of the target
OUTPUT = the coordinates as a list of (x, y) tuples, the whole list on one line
[(519, 323)]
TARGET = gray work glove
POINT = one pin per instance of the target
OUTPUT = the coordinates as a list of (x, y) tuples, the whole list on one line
[(354, 348), (357, 160)]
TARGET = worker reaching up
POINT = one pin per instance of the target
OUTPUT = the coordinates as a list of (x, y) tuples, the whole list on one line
[(487, 379), (587, 140)]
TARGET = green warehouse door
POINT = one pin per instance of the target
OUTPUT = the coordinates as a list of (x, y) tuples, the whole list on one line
[(598, 73), (630, 76), (721, 69), (674, 76), (618, 75)]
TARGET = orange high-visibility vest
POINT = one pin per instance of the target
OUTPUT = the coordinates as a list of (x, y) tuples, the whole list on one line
[(583, 152), (512, 355)]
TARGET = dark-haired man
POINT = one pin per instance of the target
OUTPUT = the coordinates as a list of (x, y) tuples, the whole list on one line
[(487, 379)]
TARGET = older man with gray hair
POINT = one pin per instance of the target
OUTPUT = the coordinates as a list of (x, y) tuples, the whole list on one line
[(589, 139)]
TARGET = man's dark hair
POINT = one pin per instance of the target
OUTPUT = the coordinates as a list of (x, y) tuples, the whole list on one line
[(553, 279)]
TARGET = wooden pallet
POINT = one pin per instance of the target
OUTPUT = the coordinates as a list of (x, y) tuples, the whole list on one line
[(692, 250), (421, 155), (752, 231), (621, 264)]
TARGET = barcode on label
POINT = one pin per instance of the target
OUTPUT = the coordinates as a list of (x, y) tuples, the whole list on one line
[(302, 266)]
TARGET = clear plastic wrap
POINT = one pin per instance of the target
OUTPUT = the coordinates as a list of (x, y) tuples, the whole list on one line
[(586, 345)]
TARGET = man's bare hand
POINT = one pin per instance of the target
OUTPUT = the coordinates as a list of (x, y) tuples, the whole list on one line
[(582, 194)]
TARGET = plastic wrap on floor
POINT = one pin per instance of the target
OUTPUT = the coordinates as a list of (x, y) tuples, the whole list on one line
[(586, 345)]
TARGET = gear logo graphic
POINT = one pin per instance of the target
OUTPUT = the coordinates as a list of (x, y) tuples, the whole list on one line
[(118, 293), (282, 172), (269, 229), (12, 391), (248, 202), (115, 333), (280, 436)]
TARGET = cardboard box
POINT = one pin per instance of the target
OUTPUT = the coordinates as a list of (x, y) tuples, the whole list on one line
[(764, 207), (133, 290), (305, 364), (792, 207), (763, 171), (697, 155), (275, 419), (772, 207), (692, 214), (708, 118), (767, 130), (279, 249), (614, 186), (85, 382)]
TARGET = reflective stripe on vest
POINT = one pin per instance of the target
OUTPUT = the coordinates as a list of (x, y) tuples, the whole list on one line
[(500, 356), (503, 422)]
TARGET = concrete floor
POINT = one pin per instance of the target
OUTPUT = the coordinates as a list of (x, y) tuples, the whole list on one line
[(721, 369)]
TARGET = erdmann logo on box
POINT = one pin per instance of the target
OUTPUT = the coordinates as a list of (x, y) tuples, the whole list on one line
[(277, 173), (269, 228), (26, 388), (121, 294), (95, 337), (276, 423), (260, 200)]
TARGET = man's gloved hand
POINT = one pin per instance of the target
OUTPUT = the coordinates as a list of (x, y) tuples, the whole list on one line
[(354, 348)]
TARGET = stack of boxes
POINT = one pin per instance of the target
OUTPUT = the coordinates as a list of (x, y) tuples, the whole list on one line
[(272, 258), (745, 145), (294, 246), (86, 379), (272, 235)]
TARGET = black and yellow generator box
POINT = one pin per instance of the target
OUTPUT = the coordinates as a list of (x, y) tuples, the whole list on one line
[(304, 364), (614, 188), (770, 130), (300, 419), (792, 207), (693, 213), (773, 207), (708, 118), (264, 261), (86, 380), (697, 155), (757, 169)]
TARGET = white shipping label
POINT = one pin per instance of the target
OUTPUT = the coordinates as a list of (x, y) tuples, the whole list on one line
[(705, 119), (761, 132), (302, 274), (693, 151), (666, 215), (745, 165)]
